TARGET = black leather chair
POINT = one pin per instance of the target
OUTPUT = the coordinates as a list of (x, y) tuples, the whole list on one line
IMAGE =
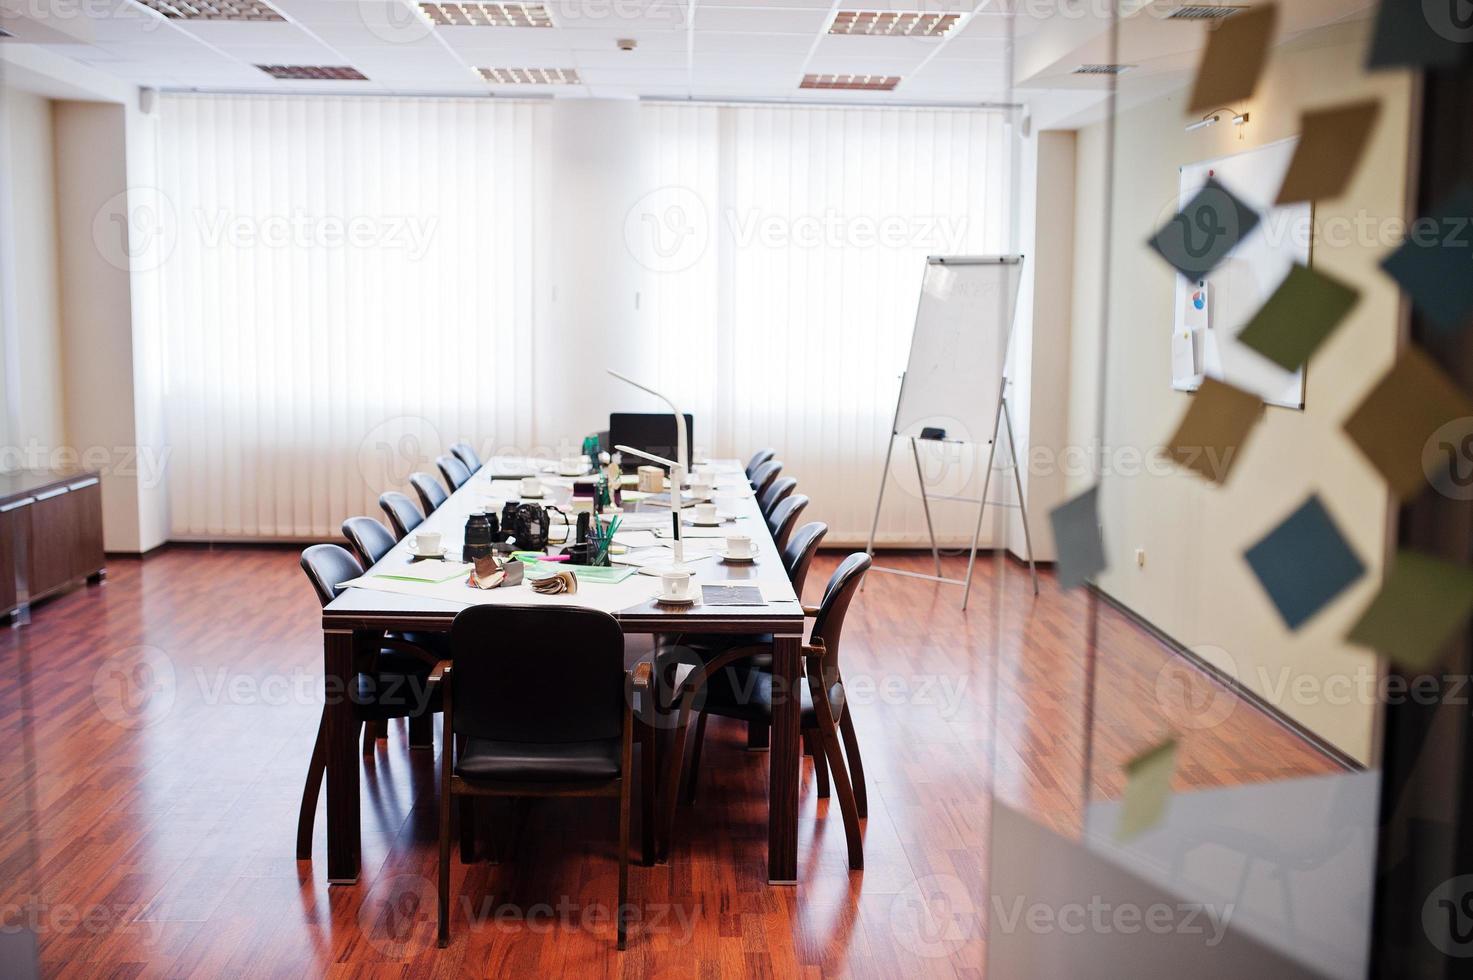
[(763, 476), (732, 690), (431, 494), (370, 539), (776, 491), (760, 457), (467, 455), (785, 517), (556, 723), (453, 470), (402, 514), (391, 680)]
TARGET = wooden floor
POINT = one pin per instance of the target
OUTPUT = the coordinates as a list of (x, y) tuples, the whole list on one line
[(156, 730)]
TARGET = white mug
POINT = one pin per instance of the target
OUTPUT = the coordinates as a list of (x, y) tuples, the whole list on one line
[(700, 485), (705, 513), (427, 542), (739, 546), (675, 584), (531, 486), (573, 465)]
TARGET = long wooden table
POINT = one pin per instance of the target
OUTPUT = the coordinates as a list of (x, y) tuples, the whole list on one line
[(356, 619)]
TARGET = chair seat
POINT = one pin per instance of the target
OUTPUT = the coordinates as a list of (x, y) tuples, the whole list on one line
[(394, 691), (485, 760), (710, 645), (722, 699), (436, 643)]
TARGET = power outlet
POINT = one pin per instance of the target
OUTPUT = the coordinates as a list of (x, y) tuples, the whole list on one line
[(1140, 558)]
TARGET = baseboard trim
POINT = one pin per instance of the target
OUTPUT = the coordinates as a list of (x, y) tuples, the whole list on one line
[(1247, 694)]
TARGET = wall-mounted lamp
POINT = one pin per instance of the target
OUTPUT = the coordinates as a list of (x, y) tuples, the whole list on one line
[(1214, 117)]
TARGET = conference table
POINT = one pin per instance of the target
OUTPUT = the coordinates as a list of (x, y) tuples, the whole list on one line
[(355, 620)]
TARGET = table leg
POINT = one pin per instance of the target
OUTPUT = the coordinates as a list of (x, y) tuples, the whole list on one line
[(342, 759), (782, 786)]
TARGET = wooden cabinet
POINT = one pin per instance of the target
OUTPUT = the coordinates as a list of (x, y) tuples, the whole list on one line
[(50, 534)]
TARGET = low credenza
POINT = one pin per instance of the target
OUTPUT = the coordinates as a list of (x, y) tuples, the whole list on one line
[(50, 535)]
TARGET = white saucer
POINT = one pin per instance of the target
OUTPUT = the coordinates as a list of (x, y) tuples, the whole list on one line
[(695, 523), (673, 601), (734, 560), (532, 496), (444, 550)]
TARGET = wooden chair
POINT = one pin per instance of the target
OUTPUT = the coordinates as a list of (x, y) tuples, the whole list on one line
[(763, 476), (467, 455), (760, 457), (402, 514), (431, 494), (785, 517), (370, 539), (734, 692), (776, 491), (541, 701), (391, 680), (453, 470)]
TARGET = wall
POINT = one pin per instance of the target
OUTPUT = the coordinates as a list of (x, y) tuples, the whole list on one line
[(1195, 584), (32, 351)]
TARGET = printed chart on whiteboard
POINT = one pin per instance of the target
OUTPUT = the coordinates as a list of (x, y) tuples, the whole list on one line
[(1210, 312)]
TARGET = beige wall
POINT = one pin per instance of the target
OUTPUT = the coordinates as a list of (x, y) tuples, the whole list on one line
[(1195, 585)]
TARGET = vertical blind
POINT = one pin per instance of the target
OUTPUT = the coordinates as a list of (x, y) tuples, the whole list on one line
[(354, 285)]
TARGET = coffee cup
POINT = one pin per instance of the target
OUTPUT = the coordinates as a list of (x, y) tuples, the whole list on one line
[(573, 465), (675, 584), (531, 486), (700, 485), (426, 542), (738, 546), (705, 513)]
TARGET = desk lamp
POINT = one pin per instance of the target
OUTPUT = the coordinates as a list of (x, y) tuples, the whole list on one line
[(677, 474)]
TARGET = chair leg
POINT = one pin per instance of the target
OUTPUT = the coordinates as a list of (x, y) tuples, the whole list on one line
[(444, 883), (847, 805), (620, 911), (856, 764), (813, 745), (647, 781), (673, 778), (372, 732), (759, 735), (467, 829), (692, 771), (307, 815), (422, 731)]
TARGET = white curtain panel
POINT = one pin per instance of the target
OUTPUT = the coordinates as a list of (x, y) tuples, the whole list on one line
[(786, 247), (351, 291), (354, 284)]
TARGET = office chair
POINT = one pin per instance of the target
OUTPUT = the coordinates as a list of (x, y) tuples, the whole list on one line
[(431, 494), (556, 724), (391, 680), (761, 456), (370, 539), (453, 470), (785, 517), (402, 514), (776, 491), (467, 456), (763, 476)]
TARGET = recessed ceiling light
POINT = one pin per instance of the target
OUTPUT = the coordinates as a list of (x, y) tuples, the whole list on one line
[(213, 9), (893, 23), (531, 76), (1102, 69), (1204, 11), (315, 73), (487, 14), (870, 83)]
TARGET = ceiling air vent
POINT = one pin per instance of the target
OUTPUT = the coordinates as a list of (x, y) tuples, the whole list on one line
[(866, 83), (1204, 11), (531, 76), (487, 14), (1102, 69), (213, 9), (314, 73), (893, 23)]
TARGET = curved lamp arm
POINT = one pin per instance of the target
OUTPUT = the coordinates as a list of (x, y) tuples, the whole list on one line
[(677, 467)]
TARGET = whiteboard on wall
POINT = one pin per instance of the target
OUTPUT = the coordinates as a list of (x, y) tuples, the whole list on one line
[(1210, 313), (958, 350)]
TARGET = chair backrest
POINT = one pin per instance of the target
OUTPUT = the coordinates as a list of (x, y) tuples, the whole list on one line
[(431, 494), (402, 514), (327, 566), (370, 539), (837, 595), (776, 491), (763, 476), (785, 517), (799, 551), (467, 455), (453, 470), (760, 457), (537, 674)]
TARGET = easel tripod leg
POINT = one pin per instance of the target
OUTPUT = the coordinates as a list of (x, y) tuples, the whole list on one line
[(926, 505)]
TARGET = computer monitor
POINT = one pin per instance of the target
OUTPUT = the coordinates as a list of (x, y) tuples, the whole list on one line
[(654, 432)]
